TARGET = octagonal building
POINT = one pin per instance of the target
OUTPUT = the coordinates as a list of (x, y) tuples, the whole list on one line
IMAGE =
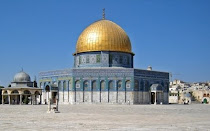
[(103, 72)]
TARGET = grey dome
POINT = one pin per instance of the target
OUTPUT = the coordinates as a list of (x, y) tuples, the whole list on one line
[(22, 77)]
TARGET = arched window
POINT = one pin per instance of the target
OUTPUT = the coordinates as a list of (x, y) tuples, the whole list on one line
[(94, 87), (69, 84), (136, 87), (146, 88), (103, 85), (128, 84), (77, 83), (47, 88), (111, 85), (15, 92), (27, 92), (85, 85), (5, 92), (142, 86), (37, 93), (59, 86), (119, 85), (64, 86)]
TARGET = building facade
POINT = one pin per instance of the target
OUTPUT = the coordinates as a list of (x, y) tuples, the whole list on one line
[(103, 72), (22, 91)]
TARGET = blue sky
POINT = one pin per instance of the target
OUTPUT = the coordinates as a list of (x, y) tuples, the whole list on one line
[(41, 35)]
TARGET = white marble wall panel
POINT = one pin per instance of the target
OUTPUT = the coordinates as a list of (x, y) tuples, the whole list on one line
[(121, 97), (96, 96), (87, 96), (104, 97), (129, 97), (72, 97), (112, 97)]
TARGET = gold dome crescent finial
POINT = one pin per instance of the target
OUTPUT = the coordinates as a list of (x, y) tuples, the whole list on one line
[(103, 13)]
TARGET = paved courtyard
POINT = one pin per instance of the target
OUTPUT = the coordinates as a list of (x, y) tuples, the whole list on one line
[(106, 117)]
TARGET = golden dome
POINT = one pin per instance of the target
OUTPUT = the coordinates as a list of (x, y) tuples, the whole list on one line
[(103, 35)]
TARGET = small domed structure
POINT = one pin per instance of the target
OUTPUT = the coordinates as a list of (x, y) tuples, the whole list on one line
[(22, 77), (22, 90)]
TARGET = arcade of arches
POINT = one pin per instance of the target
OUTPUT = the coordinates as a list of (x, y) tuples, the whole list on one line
[(21, 96)]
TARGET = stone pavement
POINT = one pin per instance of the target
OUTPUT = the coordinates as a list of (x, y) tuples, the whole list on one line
[(106, 117)]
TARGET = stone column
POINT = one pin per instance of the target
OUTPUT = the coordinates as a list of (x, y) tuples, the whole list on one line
[(40, 98), (91, 90), (49, 105), (116, 89), (20, 99), (16, 99), (2, 100), (155, 98), (9, 99), (32, 100)]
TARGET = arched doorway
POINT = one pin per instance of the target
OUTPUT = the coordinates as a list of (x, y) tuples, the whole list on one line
[(26, 99), (152, 97), (5, 98), (15, 97), (36, 95)]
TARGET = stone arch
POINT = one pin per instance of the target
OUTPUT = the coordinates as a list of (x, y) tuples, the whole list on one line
[(26, 92), (5, 92), (37, 93), (160, 87), (85, 85), (128, 84), (15, 92), (94, 85), (204, 95), (119, 85), (102, 85), (77, 84), (111, 85)]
